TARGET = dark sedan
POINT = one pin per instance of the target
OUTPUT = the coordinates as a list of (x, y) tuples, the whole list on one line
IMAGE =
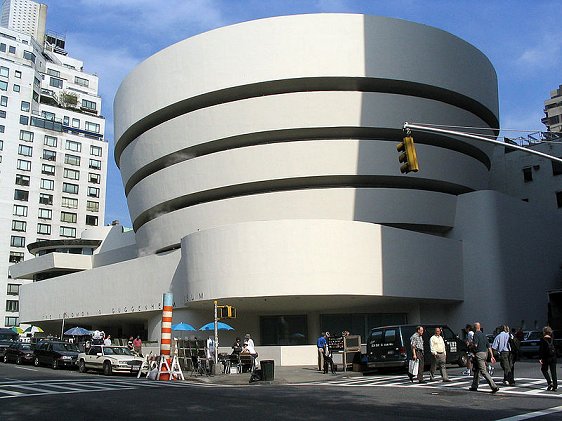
[(19, 352), (57, 354), (530, 345)]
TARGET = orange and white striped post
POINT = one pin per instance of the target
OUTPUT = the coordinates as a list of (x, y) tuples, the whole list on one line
[(166, 340)]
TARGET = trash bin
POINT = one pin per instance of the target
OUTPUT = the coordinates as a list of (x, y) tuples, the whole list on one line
[(267, 370)]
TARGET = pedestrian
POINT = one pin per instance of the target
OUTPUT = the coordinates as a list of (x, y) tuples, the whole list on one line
[(515, 345), (438, 355), (469, 354), (137, 345), (321, 345), (130, 344), (107, 340), (416, 341), (481, 351), (547, 358), (502, 345)]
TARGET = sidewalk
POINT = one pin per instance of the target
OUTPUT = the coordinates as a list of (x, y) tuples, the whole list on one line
[(283, 375)]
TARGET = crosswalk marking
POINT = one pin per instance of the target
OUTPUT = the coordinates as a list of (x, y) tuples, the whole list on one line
[(523, 386)]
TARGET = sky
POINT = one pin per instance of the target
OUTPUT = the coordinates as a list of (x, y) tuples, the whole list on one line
[(522, 39)]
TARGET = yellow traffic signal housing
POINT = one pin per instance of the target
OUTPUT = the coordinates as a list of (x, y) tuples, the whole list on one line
[(408, 155), (226, 312)]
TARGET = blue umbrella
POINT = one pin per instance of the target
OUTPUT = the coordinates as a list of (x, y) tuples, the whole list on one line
[(220, 326), (77, 331), (183, 326)]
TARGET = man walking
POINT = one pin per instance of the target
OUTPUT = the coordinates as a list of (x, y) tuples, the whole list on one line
[(416, 342), (321, 344), (439, 355), (481, 351), (501, 344)]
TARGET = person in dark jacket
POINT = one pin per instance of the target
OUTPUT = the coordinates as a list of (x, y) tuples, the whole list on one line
[(547, 358)]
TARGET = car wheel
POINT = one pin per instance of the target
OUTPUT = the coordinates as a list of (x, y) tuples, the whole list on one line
[(5, 359), (18, 360), (55, 364), (107, 368), (82, 366), (36, 362)]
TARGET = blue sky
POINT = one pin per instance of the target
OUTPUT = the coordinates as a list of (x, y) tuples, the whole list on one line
[(523, 40)]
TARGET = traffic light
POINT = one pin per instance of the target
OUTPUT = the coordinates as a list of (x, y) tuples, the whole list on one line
[(408, 155), (226, 312)]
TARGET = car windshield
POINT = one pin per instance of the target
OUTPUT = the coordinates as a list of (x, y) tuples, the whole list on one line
[(534, 336), (116, 350), (59, 347)]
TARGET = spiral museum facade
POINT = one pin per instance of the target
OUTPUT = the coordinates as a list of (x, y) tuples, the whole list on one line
[(260, 167)]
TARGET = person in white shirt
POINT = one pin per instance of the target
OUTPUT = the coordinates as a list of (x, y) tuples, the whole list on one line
[(107, 340), (439, 355)]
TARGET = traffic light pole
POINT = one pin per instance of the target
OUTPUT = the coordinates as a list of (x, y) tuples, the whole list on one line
[(408, 127)]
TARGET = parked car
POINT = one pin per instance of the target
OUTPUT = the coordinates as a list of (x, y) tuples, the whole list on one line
[(57, 354), (389, 346), (19, 352), (530, 345), (7, 337), (109, 359)]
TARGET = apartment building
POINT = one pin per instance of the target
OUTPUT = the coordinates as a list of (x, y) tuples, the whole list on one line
[(52, 149)]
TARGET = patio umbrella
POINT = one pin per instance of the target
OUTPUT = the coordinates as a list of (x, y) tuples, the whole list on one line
[(183, 326), (33, 329), (77, 331), (220, 326), (17, 329)]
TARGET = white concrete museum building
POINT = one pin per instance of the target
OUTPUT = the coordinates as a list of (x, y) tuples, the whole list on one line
[(260, 167)]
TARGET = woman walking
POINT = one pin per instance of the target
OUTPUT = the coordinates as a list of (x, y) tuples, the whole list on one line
[(547, 358)]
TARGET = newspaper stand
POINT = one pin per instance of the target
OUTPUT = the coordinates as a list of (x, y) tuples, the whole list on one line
[(344, 345)]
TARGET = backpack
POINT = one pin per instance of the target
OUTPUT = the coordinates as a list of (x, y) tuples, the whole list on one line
[(515, 345), (551, 349)]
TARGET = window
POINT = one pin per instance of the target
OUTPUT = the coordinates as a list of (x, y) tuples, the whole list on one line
[(69, 202), (10, 321), (2, 128), (25, 106), (4, 71), (71, 159), (556, 168), (3, 85), (70, 188), (88, 105), (12, 49), (19, 226), (3, 47), (16, 88), (47, 184), (73, 146), (13, 289), (527, 174), (284, 330), (17, 241), (67, 232), (25, 150), (16, 257), (68, 217), (94, 178), (12, 306), (18, 74), (81, 81), (24, 120), (22, 195), (22, 180), (95, 164), (24, 165), (66, 120), (45, 199), (71, 174), (95, 150), (92, 127), (53, 72), (559, 199), (44, 229), (47, 115), (2, 114), (92, 206), (26, 136), (50, 141), (45, 213), (49, 155), (20, 210), (4, 101), (93, 192), (28, 55), (76, 123), (91, 220), (48, 169), (55, 82)]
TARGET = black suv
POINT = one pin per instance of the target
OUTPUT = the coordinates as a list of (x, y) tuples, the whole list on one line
[(56, 354), (389, 346)]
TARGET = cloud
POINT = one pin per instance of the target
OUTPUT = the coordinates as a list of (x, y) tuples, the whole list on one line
[(545, 55)]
